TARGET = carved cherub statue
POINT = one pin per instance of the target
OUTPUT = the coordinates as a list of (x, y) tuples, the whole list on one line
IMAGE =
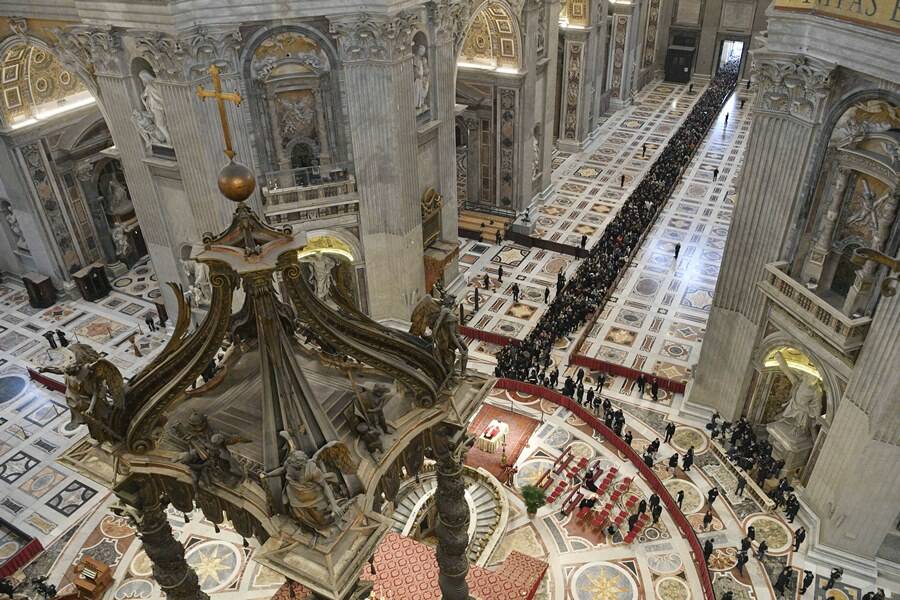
[(95, 390), (309, 484), (441, 319)]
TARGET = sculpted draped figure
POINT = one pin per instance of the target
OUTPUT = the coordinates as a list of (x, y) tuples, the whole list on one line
[(805, 402), (443, 322), (422, 78), (151, 97), (309, 485), (94, 389)]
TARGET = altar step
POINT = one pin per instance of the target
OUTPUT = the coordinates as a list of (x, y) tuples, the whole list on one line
[(482, 226)]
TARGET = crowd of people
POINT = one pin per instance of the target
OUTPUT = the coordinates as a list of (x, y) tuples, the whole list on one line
[(588, 288)]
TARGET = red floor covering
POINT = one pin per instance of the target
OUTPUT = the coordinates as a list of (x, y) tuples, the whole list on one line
[(520, 430)]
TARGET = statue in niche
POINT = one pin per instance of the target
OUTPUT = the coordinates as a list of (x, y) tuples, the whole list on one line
[(94, 389), (422, 73), (320, 274), (800, 412), (440, 318), (121, 241), (13, 223), (309, 486), (118, 202), (152, 100), (208, 455), (199, 286), (148, 130)]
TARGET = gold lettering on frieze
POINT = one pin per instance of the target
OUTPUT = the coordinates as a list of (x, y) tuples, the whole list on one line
[(880, 14)]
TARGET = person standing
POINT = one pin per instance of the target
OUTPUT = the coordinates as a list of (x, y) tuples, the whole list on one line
[(498, 237), (715, 173), (515, 292), (707, 549), (807, 581), (728, 596), (51, 339), (799, 536), (712, 495), (601, 381), (643, 150), (622, 181), (741, 484), (673, 462), (670, 431), (148, 319), (583, 241), (751, 533), (628, 437), (707, 520), (726, 119), (679, 498), (579, 375), (63, 340), (745, 544), (836, 574), (654, 389), (656, 511), (641, 382), (677, 249), (761, 551), (500, 274), (784, 578), (546, 294), (487, 281), (741, 561), (654, 500), (687, 460), (642, 506)]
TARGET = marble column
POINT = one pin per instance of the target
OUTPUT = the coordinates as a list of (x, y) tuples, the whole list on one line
[(816, 262), (622, 50), (852, 490), (449, 446), (447, 25), (551, 45), (378, 76), (473, 160), (574, 105), (790, 101), (170, 568), (525, 135)]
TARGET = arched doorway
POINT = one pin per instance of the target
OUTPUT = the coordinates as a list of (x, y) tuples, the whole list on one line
[(488, 86)]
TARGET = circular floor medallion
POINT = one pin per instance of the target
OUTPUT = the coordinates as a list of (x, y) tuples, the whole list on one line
[(8, 549), (685, 437), (531, 471), (672, 588), (141, 565), (693, 499), (722, 559), (776, 533), (11, 386), (665, 564), (603, 581), (134, 589), (558, 438), (216, 563)]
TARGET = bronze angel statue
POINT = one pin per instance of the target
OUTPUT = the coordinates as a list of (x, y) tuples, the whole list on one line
[(95, 391), (441, 320), (309, 484)]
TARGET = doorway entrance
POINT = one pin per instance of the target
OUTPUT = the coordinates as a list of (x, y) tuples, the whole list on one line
[(678, 64), (732, 50)]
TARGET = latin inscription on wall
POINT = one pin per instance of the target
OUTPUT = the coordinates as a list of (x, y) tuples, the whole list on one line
[(737, 15)]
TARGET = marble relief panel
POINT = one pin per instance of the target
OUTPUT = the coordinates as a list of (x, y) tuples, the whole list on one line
[(652, 29), (620, 28), (508, 102), (573, 88)]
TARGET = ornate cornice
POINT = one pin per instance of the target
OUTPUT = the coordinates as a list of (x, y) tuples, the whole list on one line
[(792, 84), (188, 56), (90, 49), (449, 19), (375, 38)]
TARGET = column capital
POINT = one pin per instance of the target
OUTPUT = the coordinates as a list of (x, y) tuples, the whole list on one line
[(92, 49), (449, 19), (374, 38), (792, 84), (188, 55)]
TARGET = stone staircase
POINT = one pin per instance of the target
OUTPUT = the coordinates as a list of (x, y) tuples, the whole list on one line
[(488, 510)]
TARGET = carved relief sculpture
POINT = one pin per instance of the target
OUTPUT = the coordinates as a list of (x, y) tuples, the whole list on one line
[(120, 239), (199, 286), (207, 455), (118, 201)]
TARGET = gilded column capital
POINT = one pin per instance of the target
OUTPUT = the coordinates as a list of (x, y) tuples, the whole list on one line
[(449, 19), (188, 55), (792, 84), (374, 38)]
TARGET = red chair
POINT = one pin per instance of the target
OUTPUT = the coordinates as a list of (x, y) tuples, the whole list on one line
[(583, 513)]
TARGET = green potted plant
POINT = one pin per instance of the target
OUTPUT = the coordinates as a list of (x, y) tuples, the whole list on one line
[(534, 498)]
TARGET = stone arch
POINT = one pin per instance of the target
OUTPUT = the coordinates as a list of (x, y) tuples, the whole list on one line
[(492, 37), (293, 93), (24, 98), (830, 383)]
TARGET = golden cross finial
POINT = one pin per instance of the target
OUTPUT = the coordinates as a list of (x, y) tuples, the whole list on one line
[(221, 97)]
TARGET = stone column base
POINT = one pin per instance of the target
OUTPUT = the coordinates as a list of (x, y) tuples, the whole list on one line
[(787, 446), (116, 269)]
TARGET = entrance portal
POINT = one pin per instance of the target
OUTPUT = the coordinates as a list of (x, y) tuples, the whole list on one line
[(732, 50)]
